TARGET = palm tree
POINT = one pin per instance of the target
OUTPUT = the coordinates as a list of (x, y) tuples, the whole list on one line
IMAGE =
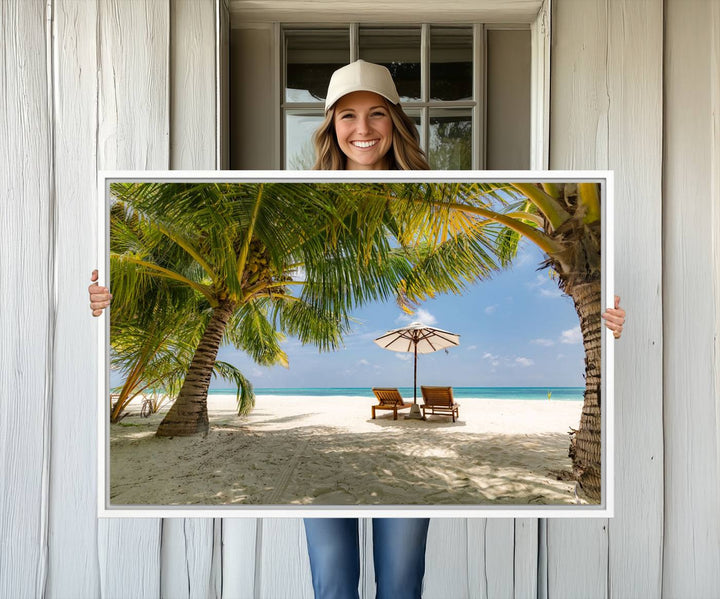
[(155, 329), (243, 248), (207, 241), (563, 220)]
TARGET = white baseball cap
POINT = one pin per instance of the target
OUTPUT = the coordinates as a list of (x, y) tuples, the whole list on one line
[(361, 76)]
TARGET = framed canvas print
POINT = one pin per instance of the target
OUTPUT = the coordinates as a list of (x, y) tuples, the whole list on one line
[(356, 344)]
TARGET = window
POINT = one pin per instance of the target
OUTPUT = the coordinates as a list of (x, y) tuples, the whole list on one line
[(467, 87), (437, 71)]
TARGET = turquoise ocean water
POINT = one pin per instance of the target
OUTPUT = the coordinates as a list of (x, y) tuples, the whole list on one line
[(533, 393)]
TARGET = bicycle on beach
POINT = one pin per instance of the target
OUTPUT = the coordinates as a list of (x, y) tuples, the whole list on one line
[(147, 407)]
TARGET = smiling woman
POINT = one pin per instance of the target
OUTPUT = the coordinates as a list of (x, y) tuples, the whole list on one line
[(365, 128)]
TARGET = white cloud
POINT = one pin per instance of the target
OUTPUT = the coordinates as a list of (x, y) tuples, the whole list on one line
[(488, 355), (551, 292), (524, 361), (471, 347), (560, 356), (363, 363), (404, 356), (298, 274), (543, 342), (539, 280), (546, 286), (494, 363), (523, 257), (420, 315), (370, 335), (572, 336), (491, 309), (425, 317)]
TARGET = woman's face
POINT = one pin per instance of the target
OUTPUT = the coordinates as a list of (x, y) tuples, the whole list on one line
[(364, 130)]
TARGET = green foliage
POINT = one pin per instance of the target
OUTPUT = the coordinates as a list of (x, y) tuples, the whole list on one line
[(245, 395), (293, 258)]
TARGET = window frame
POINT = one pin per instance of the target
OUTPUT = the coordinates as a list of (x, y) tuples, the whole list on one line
[(476, 106)]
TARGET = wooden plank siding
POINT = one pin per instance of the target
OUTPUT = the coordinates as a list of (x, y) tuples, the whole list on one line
[(635, 138), (282, 565), (73, 557), (193, 85), (133, 133), (239, 557), (606, 113), (113, 84), (189, 565), (27, 275), (691, 306), (607, 82), (577, 552), (447, 558)]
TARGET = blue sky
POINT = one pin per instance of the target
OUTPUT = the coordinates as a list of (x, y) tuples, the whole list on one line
[(516, 330)]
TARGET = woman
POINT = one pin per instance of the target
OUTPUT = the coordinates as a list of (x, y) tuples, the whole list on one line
[(365, 129)]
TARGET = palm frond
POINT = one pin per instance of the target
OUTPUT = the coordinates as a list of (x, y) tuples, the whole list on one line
[(245, 395), (250, 331)]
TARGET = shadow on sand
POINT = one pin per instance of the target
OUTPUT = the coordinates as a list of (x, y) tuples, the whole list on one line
[(402, 462)]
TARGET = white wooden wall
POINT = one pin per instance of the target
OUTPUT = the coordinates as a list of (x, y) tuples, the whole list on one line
[(107, 84), (691, 302), (606, 112)]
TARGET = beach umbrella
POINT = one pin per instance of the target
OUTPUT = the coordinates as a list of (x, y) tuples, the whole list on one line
[(417, 338)]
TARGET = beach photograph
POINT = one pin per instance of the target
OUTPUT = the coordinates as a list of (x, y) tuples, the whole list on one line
[(354, 344)]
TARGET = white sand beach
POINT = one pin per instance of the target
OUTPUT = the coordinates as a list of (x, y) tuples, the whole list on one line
[(328, 450)]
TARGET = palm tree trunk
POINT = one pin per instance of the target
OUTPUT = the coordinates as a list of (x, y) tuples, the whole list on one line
[(585, 447), (188, 415)]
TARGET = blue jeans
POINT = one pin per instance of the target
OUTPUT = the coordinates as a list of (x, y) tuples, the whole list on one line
[(398, 552)]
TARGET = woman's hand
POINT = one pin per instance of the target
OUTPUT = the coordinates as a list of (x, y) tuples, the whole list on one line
[(99, 296), (615, 318)]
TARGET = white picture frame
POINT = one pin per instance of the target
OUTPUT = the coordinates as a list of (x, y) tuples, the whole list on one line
[(605, 509)]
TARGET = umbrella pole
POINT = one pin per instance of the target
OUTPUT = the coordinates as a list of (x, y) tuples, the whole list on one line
[(414, 409), (415, 378)]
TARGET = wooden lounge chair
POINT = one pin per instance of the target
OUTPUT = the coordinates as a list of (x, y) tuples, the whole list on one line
[(390, 399), (439, 400)]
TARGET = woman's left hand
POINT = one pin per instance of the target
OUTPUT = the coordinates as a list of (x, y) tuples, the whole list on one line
[(615, 318)]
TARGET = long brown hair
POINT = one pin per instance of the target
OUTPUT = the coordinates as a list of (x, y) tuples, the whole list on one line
[(405, 154)]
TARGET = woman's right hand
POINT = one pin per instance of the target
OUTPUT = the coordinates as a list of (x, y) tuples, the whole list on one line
[(99, 296)]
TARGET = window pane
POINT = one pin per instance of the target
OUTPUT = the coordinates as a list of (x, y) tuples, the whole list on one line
[(415, 117), (311, 58), (508, 100), (451, 56), (398, 50), (299, 149), (450, 139)]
